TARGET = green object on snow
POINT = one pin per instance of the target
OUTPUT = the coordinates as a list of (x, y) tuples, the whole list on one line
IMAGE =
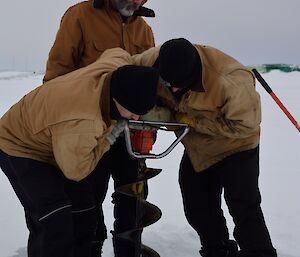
[(264, 68)]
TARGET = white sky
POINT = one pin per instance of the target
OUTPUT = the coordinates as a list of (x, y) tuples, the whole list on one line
[(254, 32)]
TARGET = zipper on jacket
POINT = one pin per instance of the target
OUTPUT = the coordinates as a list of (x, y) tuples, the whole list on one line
[(123, 30)]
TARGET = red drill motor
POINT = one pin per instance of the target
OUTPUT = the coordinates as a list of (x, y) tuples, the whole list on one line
[(143, 140)]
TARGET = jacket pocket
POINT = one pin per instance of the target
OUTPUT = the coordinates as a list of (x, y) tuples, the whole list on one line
[(95, 48), (139, 48), (101, 46)]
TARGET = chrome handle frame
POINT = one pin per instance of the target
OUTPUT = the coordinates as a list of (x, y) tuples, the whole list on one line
[(132, 123)]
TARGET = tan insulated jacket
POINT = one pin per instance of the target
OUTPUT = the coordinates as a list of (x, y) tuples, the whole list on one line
[(65, 121), (228, 112), (85, 33)]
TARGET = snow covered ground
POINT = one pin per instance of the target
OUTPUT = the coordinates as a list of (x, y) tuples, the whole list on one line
[(172, 236)]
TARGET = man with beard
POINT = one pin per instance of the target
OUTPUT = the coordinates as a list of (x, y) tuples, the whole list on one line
[(127, 8), (86, 30)]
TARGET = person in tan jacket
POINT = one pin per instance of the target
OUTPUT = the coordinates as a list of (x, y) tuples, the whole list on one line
[(56, 136), (86, 30), (216, 96)]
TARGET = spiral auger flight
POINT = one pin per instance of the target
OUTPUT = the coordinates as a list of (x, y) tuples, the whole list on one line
[(146, 212), (140, 137)]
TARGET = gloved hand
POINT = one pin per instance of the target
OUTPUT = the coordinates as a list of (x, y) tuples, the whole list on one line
[(138, 187), (116, 131), (157, 113), (184, 118)]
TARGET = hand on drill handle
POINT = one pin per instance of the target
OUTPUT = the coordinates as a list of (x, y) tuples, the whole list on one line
[(116, 131)]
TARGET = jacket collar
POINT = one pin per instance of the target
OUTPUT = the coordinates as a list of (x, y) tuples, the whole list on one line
[(142, 11), (105, 100), (199, 86)]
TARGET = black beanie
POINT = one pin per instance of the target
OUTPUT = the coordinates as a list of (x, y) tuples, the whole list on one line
[(179, 63), (135, 87)]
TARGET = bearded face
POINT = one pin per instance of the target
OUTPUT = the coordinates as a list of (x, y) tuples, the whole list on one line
[(127, 7)]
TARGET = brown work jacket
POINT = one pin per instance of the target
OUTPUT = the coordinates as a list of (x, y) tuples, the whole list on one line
[(85, 33), (64, 122), (224, 103)]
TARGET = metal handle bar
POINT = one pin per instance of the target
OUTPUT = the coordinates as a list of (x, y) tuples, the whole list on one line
[(131, 123)]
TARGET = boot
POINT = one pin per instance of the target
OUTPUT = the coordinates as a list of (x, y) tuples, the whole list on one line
[(258, 253), (128, 245), (96, 249), (100, 235), (228, 249)]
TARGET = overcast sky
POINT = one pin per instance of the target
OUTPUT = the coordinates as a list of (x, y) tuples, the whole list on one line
[(254, 32)]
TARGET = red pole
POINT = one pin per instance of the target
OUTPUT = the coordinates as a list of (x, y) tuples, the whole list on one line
[(276, 99)]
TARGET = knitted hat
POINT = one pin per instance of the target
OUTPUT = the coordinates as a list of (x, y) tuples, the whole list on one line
[(179, 63), (135, 87)]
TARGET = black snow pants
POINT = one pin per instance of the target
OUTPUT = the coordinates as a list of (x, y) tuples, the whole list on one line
[(60, 214), (236, 175), (124, 170), (65, 218)]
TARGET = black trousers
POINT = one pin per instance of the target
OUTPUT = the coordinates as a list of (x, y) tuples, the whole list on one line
[(60, 214), (65, 218), (236, 175), (124, 170)]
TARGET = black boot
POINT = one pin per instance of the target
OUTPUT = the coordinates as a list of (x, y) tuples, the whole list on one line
[(228, 249), (129, 245), (100, 235), (96, 250), (258, 253)]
